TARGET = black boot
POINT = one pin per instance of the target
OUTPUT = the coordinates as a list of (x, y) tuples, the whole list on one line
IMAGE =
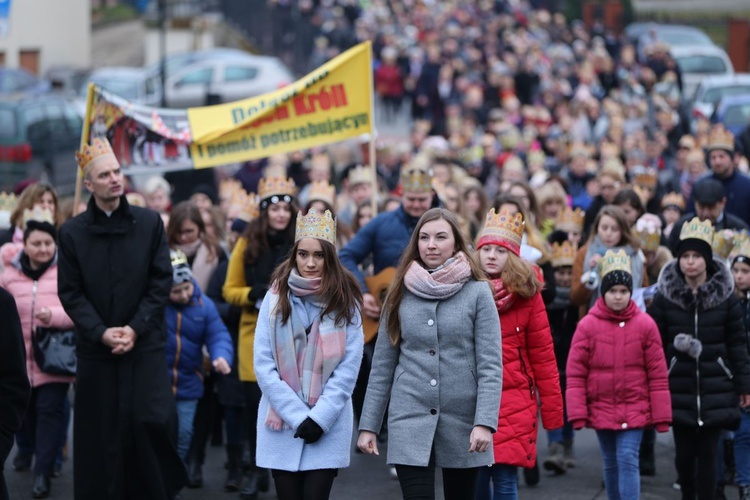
[(646, 461), (264, 483), (195, 472), (531, 476), (41, 486), (719, 494), (744, 492), (22, 461), (249, 489), (234, 474), (730, 467)]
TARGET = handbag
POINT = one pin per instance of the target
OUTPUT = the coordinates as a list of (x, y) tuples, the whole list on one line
[(55, 350)]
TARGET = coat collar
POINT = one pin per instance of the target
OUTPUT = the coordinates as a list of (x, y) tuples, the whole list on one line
[(718, 287), (117, 223)]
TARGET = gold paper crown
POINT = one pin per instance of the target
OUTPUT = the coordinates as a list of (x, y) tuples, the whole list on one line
[(723, 242), (580, 149), (570, 220), (178, 258), (563, 255), (247, 205), (503, 228), (8, 202), (416, 180), (99, 148), (741, 244), (312, 225), (276, 186), (720, 138), (323, 191), (646, 178), (360, 175), (696, 229), (614, 261), (673, 200), (228, 188), (649, 238), (38, 215), (536, 157)]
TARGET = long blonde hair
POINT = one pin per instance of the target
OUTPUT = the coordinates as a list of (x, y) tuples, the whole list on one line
[(411, 254)]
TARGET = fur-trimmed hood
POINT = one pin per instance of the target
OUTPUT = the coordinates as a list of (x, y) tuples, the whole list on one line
[(718, 287)]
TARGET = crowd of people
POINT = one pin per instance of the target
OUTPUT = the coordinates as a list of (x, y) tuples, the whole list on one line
[(555, 239)]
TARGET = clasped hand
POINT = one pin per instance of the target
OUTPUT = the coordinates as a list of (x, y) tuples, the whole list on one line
[(121, 339)]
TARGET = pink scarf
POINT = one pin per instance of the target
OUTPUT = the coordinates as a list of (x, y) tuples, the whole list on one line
[(441, 283), (503, 298), (306, 349)]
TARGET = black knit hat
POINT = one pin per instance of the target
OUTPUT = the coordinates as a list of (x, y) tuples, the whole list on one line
[(36, 225), (697, 245), (617, 277)]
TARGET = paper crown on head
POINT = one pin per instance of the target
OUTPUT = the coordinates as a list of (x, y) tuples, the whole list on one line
[(699, 230), (416, 180), (502, 229), (8, 202), (281, 187), (359, 175), (614, 261), (245, 206), (720, 138), (228, 188), (580, 149), (99, 148), (313, 225), (649, 238), (38, 215), (322, 191), (647, 177), (570, 220), (536, 157), (723, 242), (673, 200), (741, 244), (181, 271), (563, 254)]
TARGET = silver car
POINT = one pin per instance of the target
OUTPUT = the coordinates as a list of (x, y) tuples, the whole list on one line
[(697, 62), (713, 88)]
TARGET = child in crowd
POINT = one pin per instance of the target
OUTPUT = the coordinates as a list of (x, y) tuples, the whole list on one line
[(672, 208), (741, 272), (192, 322), (617, 377)]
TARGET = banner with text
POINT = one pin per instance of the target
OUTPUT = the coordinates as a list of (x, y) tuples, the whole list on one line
[(332, 103)]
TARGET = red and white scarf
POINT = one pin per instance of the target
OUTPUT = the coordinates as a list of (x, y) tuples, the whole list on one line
[(441, 283)]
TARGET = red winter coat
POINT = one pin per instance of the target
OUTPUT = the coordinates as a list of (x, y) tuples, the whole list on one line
[(389, 81), (529, 368), (617, 374)]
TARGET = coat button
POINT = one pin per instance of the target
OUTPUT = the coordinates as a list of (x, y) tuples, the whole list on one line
[(622, 324), (624, 425), (432, 352), (433, 411), (528, 457), (430, 322), (433, 382)]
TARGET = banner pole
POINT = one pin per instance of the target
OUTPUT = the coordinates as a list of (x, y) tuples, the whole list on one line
[(85, 130), (373, 163)]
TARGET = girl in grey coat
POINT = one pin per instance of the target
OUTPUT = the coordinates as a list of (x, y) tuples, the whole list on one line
[(438, 360)]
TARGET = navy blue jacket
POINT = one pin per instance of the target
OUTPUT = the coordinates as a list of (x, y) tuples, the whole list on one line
[(189, 327), (736, 189)]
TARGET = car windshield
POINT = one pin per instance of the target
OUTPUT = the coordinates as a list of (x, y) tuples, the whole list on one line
[(737, 115), (714, 95), (127, 89), (675, 37), (701, 64)]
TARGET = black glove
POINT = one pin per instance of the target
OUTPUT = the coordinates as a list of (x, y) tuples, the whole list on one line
[(309, 431), (257, 292)]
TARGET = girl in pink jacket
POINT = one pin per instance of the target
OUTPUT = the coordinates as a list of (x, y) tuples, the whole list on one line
[(617, 377)]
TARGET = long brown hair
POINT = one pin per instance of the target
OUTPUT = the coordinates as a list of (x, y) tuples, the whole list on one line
[(626, 235), (520, 277), (256, 234), (189, 211), (29, 197), (339, 287), (411, 254)]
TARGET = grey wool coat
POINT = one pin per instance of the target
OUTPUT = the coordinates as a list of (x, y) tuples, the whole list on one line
[(444, 378)]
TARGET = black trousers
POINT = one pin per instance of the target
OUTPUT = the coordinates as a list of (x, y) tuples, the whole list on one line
[(358, 396), (44, 422), (418, 483), (695, 460), (252, 395), (304, 485)]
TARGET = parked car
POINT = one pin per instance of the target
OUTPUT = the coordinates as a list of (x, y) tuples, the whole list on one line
[(697, 62), (673, 35), (225, 80), (39, 136), (134, 84), (20, 80), (177, 62), (734, 112), (713, 88)]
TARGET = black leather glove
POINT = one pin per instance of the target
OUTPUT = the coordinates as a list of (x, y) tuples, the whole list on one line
[(257, 292), (309, 431)]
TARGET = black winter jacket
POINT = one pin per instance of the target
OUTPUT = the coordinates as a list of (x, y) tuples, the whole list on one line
[(704, 391), (115, 271)]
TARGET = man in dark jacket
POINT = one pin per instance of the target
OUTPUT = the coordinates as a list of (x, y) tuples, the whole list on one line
[(114, 281), (14, 384)]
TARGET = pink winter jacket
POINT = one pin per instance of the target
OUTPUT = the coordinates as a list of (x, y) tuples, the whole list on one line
[(22, 288), (616, 372)]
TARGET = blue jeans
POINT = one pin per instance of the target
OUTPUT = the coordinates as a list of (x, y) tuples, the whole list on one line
[(504, 480), (561, 434), (185, 415), (620, 456), (742, 450)]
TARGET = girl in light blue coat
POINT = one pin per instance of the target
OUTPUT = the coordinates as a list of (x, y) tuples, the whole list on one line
[(307, 352)]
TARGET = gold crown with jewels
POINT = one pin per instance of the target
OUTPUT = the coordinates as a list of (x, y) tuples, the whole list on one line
[(720, 138), (8, 202), (723, 242), (649, 238), (98, 148), (614, 261), (360, 175), (503, 228), (276, 186), (570, 220), (646, 178), (322, 191), (563, 254), (313, 225), (228, 188), (245, 206), (741, 244), (697, 229), (416, 180), (38, 215), (673, 200)]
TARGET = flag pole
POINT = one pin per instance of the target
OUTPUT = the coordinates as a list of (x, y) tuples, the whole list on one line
[(85, 130), (373, 163)]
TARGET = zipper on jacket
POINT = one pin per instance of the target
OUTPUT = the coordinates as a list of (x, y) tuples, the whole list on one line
[(30, 369), (672, 362), (697, 374), (526, 374), (725, 368), (178, 347)]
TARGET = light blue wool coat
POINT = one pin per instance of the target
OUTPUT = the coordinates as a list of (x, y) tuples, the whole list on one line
[(333, 411)]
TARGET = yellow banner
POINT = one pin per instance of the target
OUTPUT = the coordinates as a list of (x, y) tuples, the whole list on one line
[(332, 103)]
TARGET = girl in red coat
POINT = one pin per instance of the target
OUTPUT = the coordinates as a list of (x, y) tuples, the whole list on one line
[(617, 377), (529, 366)]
